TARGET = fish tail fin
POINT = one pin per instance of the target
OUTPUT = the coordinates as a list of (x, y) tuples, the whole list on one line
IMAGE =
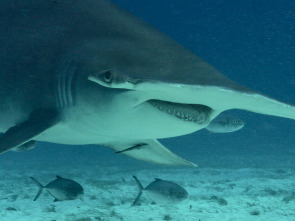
[(140, 191), (41, 187)]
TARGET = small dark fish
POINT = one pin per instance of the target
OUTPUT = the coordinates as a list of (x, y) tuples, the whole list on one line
[(162, 192), (225, 125), (61, 189)]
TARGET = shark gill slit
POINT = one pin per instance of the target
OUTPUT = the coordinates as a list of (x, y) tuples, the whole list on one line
[(64, 87), (196, 113)]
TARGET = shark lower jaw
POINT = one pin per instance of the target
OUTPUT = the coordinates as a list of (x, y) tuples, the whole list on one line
[(194, 113)]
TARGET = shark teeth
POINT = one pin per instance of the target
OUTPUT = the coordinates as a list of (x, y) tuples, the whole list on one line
[(196, 113)]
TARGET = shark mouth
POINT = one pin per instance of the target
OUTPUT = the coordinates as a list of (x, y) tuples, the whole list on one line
[(196, 113)]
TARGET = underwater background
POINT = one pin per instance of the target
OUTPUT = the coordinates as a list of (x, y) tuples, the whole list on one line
[(253, 43)]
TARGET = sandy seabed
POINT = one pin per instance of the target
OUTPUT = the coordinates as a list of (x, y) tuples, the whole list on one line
[(215, 194)]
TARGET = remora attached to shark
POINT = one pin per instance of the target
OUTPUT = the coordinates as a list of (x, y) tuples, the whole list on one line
[(88, 72)]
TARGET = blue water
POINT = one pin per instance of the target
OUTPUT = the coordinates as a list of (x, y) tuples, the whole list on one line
[(253, 43)]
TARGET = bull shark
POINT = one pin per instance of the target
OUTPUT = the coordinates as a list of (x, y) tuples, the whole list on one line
[(88, 72)]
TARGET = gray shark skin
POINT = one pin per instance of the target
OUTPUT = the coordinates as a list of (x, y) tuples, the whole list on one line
[(88, 72)]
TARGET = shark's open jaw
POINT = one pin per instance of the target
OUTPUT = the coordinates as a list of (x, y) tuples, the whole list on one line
[(195, 113)]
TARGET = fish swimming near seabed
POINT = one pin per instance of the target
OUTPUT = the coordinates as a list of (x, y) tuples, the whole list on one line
[(88, 72), (162, 192), (61, 189), (225, 125)]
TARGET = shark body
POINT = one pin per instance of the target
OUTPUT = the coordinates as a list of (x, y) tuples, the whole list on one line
[(88, 72)]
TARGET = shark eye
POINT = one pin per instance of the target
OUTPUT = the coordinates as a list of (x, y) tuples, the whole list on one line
[(108, 76)]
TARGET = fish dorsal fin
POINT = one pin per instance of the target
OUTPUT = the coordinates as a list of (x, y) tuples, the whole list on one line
[(158, 179), (58, 177)]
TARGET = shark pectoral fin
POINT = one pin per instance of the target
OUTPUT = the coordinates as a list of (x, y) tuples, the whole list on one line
[(150, 151), (38, 122)]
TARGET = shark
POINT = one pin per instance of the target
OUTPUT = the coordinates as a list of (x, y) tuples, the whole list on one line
[(89, 72)]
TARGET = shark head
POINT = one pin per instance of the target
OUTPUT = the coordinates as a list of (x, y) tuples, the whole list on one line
[(100, 75), (133, 80), (143, 92)]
